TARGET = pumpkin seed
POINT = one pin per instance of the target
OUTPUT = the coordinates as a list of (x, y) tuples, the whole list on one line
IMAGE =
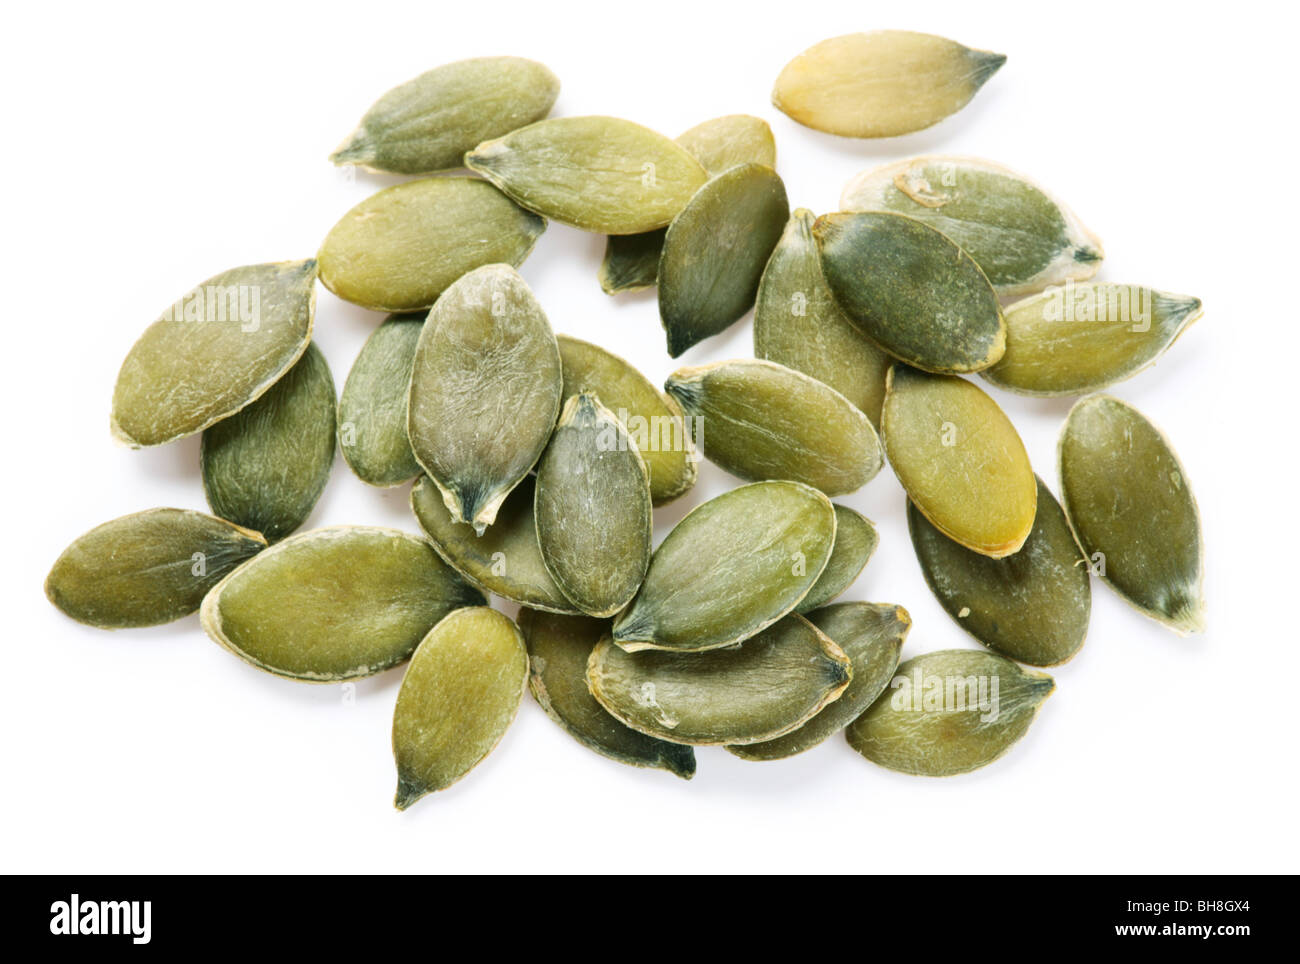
[(631, 261), (427, 124), (1131, 508), (912, 291), (505, 560), (714, 253), (1079, 338), (725, 142), (485, 391), (334, 604), (855, 541), (558, 650), (1022, 238), (217, 349), (400, 249), (871, 635), (766, 421), (372, 409), (266, 466), (597, 173), (881, 84), (798, 324), (592, 506), (732, 567), (459, 696), (147, 568), (960, 460), (652, 418), (764, 688), (1032, 606), (949, 712)]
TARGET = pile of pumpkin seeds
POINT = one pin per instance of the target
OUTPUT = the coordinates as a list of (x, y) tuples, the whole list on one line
[(538, 459)]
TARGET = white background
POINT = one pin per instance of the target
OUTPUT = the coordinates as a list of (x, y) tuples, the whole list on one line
[(148, 148)]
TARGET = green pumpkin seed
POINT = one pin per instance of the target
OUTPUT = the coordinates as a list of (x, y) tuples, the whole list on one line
[(1079, 338), (798, 324), (558, 650), (871, 636), (400, 249), (372, 409), (949, 712), (714, 253), (1032, 606), (1131, 508), (881, 84), (652, 418), (764, 688), (855, 541), (912, 291), (762, 421), (217, 349), (147, 568), (485, 391), (725, 142), (334, 604), (1022, 238), (631, 261), (427, 124), (266, 465), (960, 460), (592, 507), (505, 560), (596, 173), (459, 696), (732, 567)]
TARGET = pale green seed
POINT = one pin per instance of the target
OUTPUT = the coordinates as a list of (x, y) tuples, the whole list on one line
[(372, 408), (558, 650), (798, 324), (400, 249), (769, 685), (485, 391), (724, 142), (1079, 338), (732, 567), (1032, 606), (217, 349), (505, 560), (334, 604), (653, 419), (596, 173), (760, 420), (427, 124), (458, 698), (871, 636), (631, 261), (942, 715), (715, 251), (1131, 508), (881, 84), (147, 568), (592, 506), (960, 460), (855, 541), (266, 466), (912, 291), (1022, 238)]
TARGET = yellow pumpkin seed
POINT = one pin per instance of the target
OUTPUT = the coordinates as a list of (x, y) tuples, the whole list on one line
[(960, 460), (881, 84)]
